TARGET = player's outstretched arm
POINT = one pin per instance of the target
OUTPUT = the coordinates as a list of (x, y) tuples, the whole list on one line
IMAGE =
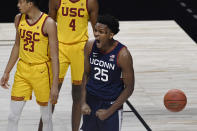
[(13, 56), (85, 109), (53, 7), (51, 29), (93, 9), (126, 64)]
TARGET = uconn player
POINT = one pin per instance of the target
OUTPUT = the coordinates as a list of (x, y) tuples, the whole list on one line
[(108, 78)]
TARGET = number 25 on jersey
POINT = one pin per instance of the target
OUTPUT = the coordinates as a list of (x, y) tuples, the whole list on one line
[(101, 74)]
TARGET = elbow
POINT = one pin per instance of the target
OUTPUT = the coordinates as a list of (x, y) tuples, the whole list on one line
[(131, 89)]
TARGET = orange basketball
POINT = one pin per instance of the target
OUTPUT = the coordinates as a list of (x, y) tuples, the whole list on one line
[(175, 100)]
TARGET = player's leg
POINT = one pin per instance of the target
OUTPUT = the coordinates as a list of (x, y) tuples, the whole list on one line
[(21, 92), (46, 115), (76, 107), (41, 84), (42, 93), (40, 127), (16, 108), (64, 64), (77, 68)]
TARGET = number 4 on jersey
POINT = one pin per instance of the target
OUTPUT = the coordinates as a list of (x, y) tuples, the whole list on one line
[(72, 24)]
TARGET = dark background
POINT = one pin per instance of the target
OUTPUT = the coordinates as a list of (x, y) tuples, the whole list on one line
[(184, 12), (122, 9)]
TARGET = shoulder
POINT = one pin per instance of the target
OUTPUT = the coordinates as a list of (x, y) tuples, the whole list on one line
[(49, 21), (124, 52), (124, 56), (49, 25), (18, 16), (17, 19)]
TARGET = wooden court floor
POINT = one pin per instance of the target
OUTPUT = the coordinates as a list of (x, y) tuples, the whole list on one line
[(164, 58)]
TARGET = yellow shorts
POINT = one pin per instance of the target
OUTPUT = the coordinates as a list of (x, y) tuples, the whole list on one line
[(72, 55), (32, 77)]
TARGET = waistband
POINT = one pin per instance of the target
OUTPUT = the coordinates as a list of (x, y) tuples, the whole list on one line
[(34, 63), (97, 97)]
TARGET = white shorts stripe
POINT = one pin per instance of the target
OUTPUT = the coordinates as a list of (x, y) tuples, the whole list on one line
[(120, 116)]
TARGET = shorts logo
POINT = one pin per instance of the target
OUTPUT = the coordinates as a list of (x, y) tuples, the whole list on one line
[(41, 72)]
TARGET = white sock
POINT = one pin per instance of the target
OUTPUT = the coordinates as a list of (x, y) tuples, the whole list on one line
[(16, 108), (46, 115)]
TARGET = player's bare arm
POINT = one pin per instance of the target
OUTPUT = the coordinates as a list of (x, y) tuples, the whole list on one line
[(51, 29), (87, 49), (93, 9), (126, 64), (13, 57), (53, 7)]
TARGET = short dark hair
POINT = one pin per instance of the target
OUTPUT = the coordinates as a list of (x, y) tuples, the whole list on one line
[(110, 21), (35, 2)]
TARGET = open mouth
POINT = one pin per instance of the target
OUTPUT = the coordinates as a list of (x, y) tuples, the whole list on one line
[(97, 41)]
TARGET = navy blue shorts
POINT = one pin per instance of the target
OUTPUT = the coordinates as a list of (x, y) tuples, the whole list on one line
[(93, 123)]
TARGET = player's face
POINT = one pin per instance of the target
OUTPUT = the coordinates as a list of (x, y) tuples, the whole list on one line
[(24, 6), (102, 35)]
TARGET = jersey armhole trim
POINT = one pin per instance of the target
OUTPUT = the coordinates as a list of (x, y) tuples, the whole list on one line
[(59, 4), (118, 56), (87, 6), (45, 34)]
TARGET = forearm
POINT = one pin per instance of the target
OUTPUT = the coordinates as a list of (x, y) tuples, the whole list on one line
[(55, 70), (93, 12), (126, 93), (51, 30), (13, 58), (83, 92), (83, 95)]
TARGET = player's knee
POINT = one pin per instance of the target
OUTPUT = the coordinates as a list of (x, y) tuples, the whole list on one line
[(13, 118)]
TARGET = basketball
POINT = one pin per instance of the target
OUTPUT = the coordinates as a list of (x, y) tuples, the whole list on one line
[(175, 100)]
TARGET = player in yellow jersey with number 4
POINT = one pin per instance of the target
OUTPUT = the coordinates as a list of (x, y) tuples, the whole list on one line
[(36, 49), (72, 25)]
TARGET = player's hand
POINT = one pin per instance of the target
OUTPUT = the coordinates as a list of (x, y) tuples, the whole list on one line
[(85, 109), (54, 95), (102, 114), (4, 81)]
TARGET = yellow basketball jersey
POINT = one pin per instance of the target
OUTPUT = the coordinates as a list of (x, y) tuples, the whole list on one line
[(34, 45), (72, 21)]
